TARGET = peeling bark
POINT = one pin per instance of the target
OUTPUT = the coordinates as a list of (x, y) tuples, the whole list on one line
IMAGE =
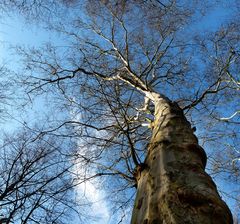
[(172, 186)]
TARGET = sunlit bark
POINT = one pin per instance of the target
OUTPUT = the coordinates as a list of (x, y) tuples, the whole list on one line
[(172, 186)]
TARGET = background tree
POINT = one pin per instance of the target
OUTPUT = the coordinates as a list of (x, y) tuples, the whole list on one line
[(35, 180), (121, 57)]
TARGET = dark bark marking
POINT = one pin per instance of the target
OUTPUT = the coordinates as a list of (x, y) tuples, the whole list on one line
[(145, 221), (139, 169), (140, 201)]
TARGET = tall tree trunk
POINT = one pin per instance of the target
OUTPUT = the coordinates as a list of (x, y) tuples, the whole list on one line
[(172, 186)]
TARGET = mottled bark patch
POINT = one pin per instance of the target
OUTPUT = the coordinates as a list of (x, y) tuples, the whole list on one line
[(200, 151)]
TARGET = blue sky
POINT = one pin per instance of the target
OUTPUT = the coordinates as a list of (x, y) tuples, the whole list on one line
[(13, 31)]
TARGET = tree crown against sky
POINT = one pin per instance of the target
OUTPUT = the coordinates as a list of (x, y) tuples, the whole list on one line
[(115, 51)]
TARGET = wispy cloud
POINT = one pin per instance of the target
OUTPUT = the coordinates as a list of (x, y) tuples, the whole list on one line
[(90, 189), (99, 209)]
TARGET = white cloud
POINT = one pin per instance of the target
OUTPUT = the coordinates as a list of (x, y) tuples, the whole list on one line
[(99, 207), (89, 189)]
